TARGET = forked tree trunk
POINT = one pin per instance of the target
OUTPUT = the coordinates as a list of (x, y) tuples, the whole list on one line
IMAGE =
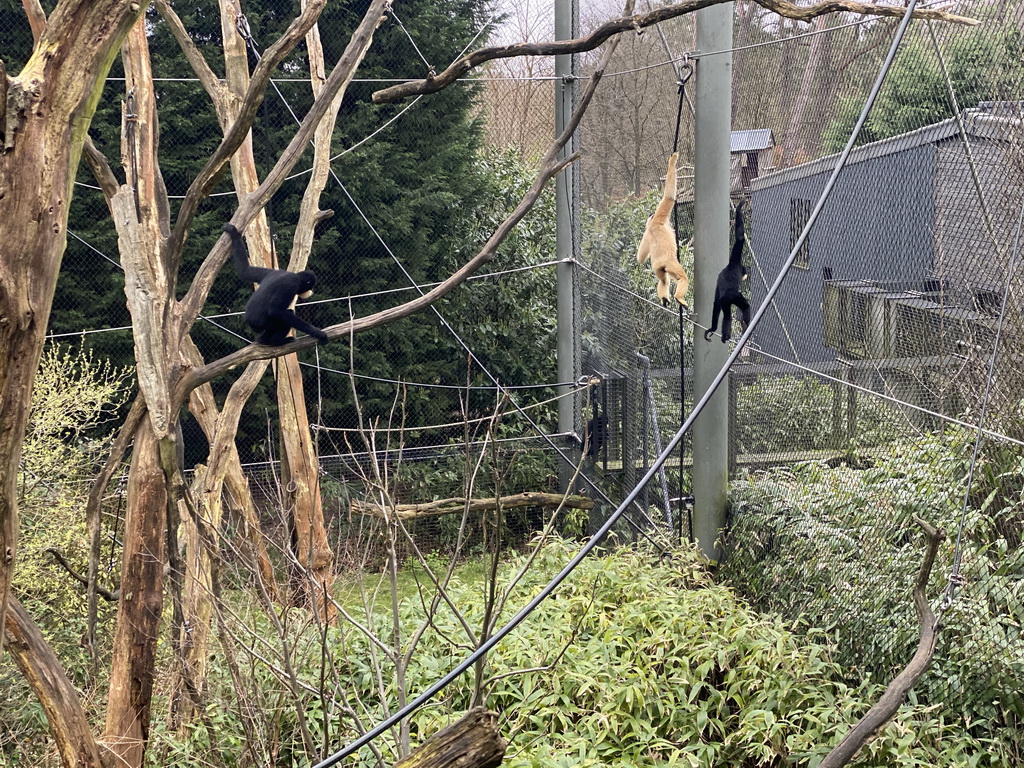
[(203, 549)]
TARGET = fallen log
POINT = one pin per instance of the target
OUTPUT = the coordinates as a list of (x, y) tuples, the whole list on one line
[(472, 742), (458, 504)]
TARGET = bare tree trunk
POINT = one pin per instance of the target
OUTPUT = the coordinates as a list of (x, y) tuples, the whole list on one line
[(203, 544), (239, 496), (793, 142), (300, 472), (298, 457), (143, 228), (43, 124), (140, 604)]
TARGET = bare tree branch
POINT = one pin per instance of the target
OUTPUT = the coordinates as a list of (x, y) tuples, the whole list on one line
[(235, 135), (218, 368), (551, 166), (106, 594), (458, 504), (339, 79), (210, 82), (92, 516), (101, 169), (881, 713), (36, 18), (637, 22)]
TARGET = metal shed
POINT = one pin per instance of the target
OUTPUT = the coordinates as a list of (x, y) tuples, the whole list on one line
[(905, 214)]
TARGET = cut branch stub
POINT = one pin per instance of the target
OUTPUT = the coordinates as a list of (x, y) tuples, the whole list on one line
[(471, 742)]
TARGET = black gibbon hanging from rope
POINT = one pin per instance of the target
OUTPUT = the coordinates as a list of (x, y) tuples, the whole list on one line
[(728, 293), (268, 311), (659, 242)]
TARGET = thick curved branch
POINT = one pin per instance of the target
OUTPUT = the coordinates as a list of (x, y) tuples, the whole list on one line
[(208, 176), (882, 712), (339, 79), (638, 22), (72, 732)]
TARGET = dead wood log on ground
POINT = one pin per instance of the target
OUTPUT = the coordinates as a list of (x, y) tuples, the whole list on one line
[(881, 713), (458, 504), (472, 742)]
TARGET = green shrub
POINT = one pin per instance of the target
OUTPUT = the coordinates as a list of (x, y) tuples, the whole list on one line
[(637, 660), (837, 549)]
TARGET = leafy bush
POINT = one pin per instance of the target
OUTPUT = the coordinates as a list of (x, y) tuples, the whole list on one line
[(73, 400), (637, 660), (837, 549)]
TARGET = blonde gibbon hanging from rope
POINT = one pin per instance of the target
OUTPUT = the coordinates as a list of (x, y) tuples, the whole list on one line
[(659, 242)]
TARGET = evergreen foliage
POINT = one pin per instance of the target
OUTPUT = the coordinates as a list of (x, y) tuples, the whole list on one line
[(916, 92)]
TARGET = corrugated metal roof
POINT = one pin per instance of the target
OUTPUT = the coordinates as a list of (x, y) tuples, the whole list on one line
[(751, 141), (977, 124)]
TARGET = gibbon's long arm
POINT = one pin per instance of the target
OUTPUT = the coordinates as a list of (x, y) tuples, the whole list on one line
[(736, 257), (240, 254), (668, 197)]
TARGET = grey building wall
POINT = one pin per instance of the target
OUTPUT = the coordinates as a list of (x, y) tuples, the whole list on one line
[(877, 225), (965, 254)]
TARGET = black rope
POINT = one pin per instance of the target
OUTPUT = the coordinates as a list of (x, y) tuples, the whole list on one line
[(685, 72)]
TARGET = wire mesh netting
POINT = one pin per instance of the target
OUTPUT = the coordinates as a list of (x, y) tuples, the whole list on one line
[(857, 406), (882, 384)]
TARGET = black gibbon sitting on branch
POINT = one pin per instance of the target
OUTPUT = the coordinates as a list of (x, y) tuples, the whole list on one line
[(268, 311), (727, 290)]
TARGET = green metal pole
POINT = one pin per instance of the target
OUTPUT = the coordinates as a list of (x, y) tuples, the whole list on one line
[(711, 251), (566, 23)]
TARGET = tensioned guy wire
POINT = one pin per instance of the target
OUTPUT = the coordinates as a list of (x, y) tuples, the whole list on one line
[(594, 540)]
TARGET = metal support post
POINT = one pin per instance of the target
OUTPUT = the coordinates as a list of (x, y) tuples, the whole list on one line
[(566, 23), (711, 252)]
